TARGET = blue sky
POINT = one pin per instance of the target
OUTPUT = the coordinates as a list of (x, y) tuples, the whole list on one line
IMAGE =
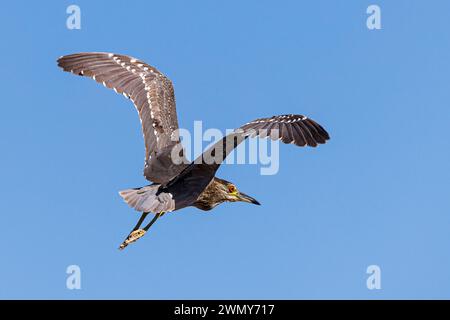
[(377, 194)]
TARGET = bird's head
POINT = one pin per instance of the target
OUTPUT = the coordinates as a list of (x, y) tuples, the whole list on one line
[(230, 192)]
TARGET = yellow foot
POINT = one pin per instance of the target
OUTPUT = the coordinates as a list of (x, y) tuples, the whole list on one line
[(132, 237)]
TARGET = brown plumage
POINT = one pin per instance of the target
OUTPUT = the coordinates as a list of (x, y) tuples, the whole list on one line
[(218, 191), (176, 185)]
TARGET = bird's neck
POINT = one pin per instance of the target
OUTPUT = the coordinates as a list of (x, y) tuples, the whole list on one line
[(209, 199)]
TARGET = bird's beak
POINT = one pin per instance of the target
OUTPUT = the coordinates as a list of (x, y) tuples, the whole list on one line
[(246, 198)]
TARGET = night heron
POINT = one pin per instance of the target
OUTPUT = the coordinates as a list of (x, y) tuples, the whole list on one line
[(178, 184)]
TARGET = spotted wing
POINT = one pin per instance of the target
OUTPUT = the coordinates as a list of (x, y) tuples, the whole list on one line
[(296, 129), (150, 91)]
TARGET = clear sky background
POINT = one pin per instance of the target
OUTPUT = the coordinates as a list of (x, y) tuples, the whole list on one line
[(377, 194)]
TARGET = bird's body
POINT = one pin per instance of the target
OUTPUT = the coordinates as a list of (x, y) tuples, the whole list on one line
[(176, 183)]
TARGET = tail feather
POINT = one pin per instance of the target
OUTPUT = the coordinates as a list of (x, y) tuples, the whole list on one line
[(147, 199), (130, 196)]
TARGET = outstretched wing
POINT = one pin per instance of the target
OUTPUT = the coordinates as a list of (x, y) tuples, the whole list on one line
[(151, 93), (291, 128), (295, 129)]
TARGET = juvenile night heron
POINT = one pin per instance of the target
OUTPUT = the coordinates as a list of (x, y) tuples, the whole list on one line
[(178, 184)]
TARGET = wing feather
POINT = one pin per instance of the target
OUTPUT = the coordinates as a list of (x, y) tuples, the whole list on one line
[(150, 91)]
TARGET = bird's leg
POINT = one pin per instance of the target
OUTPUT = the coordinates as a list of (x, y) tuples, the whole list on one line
[(153, 221), (136, 233), (141, 219)]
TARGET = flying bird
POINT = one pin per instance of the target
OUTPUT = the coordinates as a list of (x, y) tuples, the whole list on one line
[(178, 184)]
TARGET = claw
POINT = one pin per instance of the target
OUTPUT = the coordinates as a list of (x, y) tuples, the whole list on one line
[(132, 237)]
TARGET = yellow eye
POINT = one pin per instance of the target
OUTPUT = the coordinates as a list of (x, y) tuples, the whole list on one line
[(231, 189)]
